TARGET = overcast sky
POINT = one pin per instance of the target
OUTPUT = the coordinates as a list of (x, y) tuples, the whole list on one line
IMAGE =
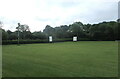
[(39, 13)]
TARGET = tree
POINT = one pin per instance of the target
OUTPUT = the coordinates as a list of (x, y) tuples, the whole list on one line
[(39, 35), (103, 31), (13, 36), (28, 35), (4, 34), (61, 31), (76, 29), (86, 28), (58, 32), (9, 32), (23, 29), (1, 24), (49, 30), (118, 20)]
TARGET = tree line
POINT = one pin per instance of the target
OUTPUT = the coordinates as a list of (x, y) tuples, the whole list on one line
[(101, 31)]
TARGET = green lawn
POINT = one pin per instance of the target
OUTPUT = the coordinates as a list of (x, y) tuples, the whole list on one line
[(66, 59)]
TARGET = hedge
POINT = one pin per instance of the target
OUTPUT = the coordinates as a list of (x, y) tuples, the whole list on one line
[(6, 42)]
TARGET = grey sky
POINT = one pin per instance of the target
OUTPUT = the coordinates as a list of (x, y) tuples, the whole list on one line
[(119, 10), (39, 13)]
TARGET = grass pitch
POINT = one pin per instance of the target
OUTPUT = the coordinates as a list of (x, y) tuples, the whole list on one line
[(66, 59)]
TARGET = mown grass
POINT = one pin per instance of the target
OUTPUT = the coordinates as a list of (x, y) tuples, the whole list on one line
[(66, 59)]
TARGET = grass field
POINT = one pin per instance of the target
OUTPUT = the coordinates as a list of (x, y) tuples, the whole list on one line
[(66, 59)]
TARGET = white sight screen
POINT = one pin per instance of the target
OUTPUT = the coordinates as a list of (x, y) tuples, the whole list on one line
[(74, 38), (50, 38)]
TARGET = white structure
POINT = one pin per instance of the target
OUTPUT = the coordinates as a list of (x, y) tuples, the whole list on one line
[(50, 38), (74, 38)]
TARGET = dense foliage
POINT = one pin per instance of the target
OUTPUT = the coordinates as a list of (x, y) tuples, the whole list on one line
[(100, 31)]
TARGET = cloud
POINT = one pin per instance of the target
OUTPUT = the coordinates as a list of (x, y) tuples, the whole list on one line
[(119, 9), (39, 13)]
